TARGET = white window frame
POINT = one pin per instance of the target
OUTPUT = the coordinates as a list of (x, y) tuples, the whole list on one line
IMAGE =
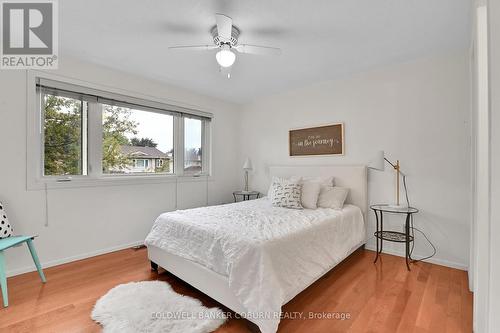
[(204, 141), (35, 142), (84, 140)]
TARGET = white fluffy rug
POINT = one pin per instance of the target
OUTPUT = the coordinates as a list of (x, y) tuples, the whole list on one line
[(152, 306)]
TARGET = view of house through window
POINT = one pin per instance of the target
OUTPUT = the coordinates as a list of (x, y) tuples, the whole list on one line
[(84, 134), (136, 141), (64, 135), (192, 145)]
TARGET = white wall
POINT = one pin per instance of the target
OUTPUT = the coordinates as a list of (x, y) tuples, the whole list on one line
[(480, 231), (417, 112), (487, 226), (494, 66), (91, 220)]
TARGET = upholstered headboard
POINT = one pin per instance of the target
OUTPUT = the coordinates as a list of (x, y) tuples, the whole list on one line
[(352, 176)]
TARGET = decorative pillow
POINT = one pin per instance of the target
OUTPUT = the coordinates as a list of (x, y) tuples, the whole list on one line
[(5, 228), (286, 195), (310, 194), (280, 180), (332, 197), (311, 189)]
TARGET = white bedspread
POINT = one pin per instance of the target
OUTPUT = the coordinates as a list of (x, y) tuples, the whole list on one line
[(269, 254)]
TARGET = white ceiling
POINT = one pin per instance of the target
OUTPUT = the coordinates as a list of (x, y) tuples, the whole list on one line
[(320, 39)]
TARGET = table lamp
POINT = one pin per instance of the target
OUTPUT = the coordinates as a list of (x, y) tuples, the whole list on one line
[(378, 164), (247, 167)]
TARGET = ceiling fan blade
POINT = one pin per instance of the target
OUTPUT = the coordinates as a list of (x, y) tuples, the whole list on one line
[(256, 49), (224, 26), (194, 47)]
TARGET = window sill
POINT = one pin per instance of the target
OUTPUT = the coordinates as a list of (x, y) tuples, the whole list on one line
[(41, 184)]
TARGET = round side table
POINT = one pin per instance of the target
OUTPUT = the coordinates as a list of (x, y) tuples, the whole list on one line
[(382, 235), (245, 195)]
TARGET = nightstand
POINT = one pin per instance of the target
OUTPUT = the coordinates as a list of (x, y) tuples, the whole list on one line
[(245, 195), (382, 235)]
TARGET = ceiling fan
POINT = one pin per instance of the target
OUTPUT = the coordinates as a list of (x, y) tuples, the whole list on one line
[(225, 36)]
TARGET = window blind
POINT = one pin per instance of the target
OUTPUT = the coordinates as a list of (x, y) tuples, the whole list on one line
[(89, 94)]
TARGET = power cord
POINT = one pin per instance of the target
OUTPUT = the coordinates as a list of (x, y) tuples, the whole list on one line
[(427, 239), (412, 228), (406, 190)]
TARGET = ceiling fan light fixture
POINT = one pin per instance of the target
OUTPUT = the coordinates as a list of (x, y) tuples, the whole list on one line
[(225, 57), (225, 41)]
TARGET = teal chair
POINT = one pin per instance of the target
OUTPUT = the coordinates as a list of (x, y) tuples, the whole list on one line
[(6, 243)]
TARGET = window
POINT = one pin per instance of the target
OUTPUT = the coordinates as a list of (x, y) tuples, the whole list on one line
[(193, 162), (64, 130), (140, 163), (92, 134), (130, 133)]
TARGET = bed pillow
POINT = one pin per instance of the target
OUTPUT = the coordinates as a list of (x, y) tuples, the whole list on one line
[(311, 189), (332, 197), (5, 228), (286, 194), (327, 181), (310, 194), (281, 180)]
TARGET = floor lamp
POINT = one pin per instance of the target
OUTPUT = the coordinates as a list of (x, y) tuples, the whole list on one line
[(379, 164)]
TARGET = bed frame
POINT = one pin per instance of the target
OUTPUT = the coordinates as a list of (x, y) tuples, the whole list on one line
[(216, 285)]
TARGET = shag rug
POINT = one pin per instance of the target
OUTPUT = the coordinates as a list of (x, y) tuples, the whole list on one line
[(152, 306)]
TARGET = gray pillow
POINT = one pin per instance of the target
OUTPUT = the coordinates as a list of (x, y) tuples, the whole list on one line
[(332, 197), (286, 195)]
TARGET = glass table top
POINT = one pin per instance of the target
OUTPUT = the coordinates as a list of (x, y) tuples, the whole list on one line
[(394, 209), (246, 192)]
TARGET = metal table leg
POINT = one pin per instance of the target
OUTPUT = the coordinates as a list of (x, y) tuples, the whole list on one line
[(376, 238), (407, 241), (381, 231)]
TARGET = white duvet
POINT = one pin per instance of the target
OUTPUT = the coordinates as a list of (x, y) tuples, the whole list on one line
[(269, 254)]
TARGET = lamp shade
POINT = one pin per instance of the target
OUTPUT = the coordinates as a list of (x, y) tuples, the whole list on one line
[(378, 162), (247, 165)]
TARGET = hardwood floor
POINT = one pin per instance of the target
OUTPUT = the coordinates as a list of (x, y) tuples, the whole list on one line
[(382, 297)]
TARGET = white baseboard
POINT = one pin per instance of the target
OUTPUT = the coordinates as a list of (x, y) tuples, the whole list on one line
[(66, 260), (434, 260)]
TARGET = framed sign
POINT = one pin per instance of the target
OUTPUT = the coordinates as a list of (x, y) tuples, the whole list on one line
[(322, 140)]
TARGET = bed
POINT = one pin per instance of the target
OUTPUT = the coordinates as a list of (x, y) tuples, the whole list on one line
[(252, 257)]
